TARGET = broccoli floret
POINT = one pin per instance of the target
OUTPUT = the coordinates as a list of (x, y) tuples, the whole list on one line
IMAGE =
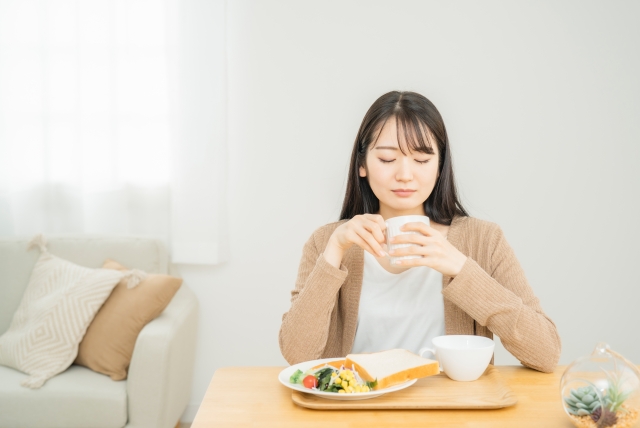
[(296, 377)]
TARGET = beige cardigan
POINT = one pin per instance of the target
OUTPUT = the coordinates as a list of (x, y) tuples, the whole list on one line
[(489, 295)]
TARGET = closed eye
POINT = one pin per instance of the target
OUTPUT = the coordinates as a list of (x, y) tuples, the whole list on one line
[(386, 161), (424, 161)]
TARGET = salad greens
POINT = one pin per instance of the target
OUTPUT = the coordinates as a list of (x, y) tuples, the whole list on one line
[(332, 379), (324, 377), (297, 377)]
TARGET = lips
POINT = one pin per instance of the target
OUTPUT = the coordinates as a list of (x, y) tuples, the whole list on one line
[(403, 193)]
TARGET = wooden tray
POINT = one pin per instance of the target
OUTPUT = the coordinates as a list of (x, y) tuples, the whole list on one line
[(433, 392)]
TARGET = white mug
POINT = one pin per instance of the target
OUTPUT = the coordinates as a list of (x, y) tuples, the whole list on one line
[(393, 229), (463, 358)]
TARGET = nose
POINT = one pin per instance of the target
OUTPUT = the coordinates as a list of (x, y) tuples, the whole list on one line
[(404, 172)]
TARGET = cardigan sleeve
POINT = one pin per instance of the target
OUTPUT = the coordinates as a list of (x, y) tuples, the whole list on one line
[(305, 328), (501, 299)]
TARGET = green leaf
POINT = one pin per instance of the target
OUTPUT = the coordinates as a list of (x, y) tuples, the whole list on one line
[(576, 395), (296, 377), (324, 377), (371, 385), (334, 388)]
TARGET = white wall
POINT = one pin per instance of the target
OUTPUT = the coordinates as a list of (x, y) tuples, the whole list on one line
[(541, 100)]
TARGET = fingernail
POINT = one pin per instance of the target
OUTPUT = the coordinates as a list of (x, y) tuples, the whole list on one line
[(381, 253)]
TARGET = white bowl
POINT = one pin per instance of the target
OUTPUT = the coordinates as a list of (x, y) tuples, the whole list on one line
[(462, 357)]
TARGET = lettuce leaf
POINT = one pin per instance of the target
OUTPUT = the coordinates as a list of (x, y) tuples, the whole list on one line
[(297, 377)]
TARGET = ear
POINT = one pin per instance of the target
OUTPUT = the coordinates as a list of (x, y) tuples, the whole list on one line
[(362, 171)]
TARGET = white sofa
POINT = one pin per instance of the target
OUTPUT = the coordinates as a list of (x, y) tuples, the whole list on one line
[(157, 390)]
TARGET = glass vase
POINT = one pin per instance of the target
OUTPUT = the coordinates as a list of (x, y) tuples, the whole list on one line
[(601, 390)]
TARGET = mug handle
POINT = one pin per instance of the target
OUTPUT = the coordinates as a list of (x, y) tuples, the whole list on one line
[(431, 351)]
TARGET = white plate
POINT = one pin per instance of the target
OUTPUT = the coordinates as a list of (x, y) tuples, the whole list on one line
[(285, 374)]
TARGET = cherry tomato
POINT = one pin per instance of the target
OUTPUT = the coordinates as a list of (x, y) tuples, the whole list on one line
[(310, 382)]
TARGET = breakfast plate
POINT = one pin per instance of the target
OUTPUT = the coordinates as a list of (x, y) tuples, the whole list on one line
[(285, 374)]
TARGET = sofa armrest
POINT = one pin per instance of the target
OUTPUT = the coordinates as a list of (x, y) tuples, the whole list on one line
[(161, 370)]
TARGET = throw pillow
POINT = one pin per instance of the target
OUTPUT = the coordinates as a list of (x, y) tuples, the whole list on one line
[(59, 302), (108, 345)]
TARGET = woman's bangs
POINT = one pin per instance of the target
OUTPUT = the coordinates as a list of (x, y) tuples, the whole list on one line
[(417, 135)]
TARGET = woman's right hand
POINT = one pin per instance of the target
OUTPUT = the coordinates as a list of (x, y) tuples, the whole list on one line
[(365, 231)]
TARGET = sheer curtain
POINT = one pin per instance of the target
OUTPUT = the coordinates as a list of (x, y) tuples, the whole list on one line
[(112, 121)]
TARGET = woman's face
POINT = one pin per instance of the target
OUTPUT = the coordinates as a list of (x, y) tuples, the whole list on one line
[(401, 182)]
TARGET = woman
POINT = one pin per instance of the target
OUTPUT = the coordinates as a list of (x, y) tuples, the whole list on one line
[(467, 280)]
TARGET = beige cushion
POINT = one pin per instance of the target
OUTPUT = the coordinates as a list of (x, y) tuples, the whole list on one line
[(108, 345), (60, 301)]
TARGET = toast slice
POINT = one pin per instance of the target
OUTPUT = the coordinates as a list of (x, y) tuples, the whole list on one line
[(391, 367)]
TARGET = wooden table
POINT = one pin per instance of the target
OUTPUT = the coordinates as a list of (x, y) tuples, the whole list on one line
[(253, 397)]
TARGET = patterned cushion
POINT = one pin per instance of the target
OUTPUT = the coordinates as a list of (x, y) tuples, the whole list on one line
[(59, 303)]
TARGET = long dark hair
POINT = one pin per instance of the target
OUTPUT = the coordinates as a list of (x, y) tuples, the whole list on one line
[(413, 113)]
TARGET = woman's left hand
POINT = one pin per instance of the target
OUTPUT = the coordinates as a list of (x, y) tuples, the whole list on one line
[(435, 251)]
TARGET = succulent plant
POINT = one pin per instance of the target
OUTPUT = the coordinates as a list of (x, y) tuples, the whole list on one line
[(582, 401), (601, 390), (614, 396), (607, 419)]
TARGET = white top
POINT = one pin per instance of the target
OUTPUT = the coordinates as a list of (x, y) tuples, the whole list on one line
[(404, 310)]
